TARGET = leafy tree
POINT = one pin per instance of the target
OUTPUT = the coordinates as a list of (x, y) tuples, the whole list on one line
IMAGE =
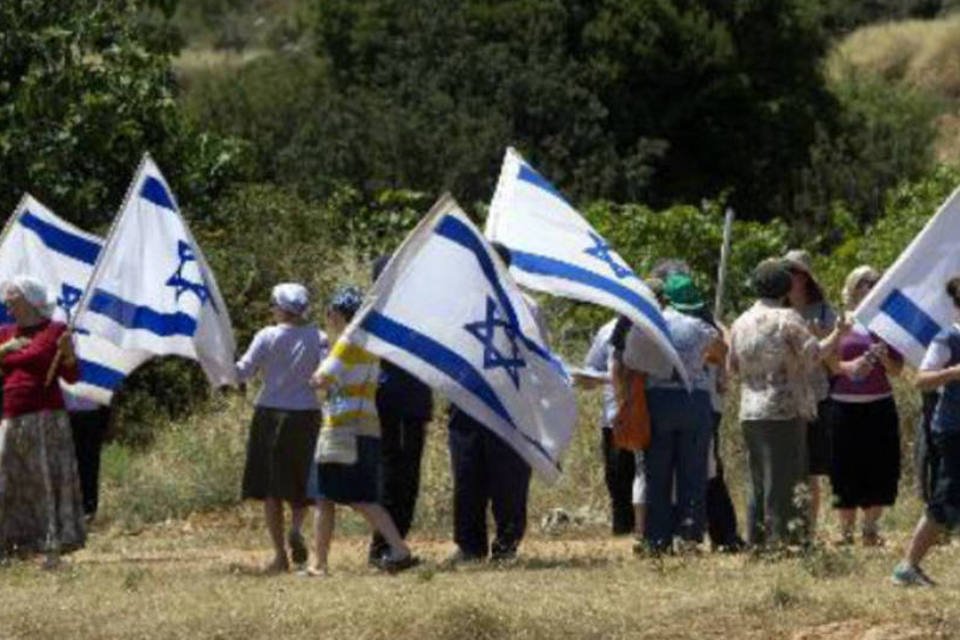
[(654, 100), (884, 137), (85, 88)]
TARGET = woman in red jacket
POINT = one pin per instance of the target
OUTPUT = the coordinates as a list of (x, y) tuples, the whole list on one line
[(40, 503)]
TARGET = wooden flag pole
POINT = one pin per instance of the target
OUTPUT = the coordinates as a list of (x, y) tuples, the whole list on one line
[(724, 260)]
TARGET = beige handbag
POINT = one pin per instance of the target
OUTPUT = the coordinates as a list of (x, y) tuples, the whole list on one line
[(337, 445)]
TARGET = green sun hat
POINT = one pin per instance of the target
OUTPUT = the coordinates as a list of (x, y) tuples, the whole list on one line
[(682, 293)]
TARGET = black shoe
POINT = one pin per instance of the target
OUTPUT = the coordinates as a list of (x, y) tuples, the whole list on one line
[(507, 555), (459, 557), (376, 557), (298, 549), (391, 565)]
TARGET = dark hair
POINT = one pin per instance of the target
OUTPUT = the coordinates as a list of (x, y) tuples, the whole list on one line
[(953, 290), (771, 279), (504, 252)]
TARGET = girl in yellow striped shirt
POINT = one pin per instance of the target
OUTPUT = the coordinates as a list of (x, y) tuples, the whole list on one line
[(348, 448)]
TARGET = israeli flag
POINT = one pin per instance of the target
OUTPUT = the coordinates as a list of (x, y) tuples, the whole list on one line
[(152, 289), (555, 250), (909, 306), (37, 243), (446, 309)]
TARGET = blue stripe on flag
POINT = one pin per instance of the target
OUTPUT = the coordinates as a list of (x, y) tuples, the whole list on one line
[(61, 241), (453, 229), (154, 191), (452, 364), (911, 318), (529, 175), (132, 316), (98, 375), (5, 318), (543, 265)]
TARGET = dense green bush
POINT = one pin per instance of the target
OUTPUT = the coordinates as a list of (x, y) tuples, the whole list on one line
[(908, 208)]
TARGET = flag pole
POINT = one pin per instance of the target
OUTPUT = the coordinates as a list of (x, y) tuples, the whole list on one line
[(724, 260), (17, 211), (97, 267)]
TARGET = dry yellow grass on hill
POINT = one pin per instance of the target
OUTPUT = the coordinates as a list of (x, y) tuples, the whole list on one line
[(924, 54), (921, 54)]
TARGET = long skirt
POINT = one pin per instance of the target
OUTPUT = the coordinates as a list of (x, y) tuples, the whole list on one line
[(866, 454), (41, 507)]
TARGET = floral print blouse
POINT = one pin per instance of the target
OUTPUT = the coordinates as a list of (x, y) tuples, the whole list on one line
[(774, 353)]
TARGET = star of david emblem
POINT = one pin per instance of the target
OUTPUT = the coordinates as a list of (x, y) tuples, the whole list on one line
[(69, 298), (486, 332), (181, 284), (602, 251)]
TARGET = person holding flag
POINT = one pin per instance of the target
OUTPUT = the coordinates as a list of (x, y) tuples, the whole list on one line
[(348, 449), (446, 309), (487, 473), (680, 420), (41, 509), (865, 468), (940, 369)]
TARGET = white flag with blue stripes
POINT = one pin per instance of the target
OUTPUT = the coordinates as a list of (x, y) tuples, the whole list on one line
[(40, 244), (557, 251), (446, 309), (909, 306), (152, 288)]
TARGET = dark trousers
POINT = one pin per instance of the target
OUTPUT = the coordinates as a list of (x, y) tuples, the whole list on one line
[(89, 429), (679, 445), (401, 449), (926, 457), (619, 470), (486, 470), (721, 516)]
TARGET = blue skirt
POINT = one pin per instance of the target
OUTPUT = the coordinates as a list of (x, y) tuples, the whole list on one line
[(350, 483)]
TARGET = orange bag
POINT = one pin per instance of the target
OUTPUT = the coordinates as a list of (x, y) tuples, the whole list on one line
[(631, 425)]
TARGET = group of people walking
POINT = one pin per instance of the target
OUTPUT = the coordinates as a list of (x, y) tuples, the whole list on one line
[(814, 400)]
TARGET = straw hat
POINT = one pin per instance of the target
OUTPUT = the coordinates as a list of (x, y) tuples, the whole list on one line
[(798, 260)]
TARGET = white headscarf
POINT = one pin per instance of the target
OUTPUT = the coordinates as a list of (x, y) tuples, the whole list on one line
[(291, 297), (35, 293)]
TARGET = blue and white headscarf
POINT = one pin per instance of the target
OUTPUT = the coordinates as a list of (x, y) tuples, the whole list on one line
[(346, 300)]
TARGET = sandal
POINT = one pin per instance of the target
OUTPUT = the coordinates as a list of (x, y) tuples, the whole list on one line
[(314, 572)]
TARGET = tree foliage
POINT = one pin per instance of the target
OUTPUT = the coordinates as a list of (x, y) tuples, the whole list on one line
[(85, 88), (658, 101)]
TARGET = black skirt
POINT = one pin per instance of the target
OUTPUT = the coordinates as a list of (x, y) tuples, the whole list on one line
[(819, 445), (279, 454), (865, 469)]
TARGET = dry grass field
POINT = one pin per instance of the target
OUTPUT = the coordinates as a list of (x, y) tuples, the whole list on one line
[(193, 578)]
